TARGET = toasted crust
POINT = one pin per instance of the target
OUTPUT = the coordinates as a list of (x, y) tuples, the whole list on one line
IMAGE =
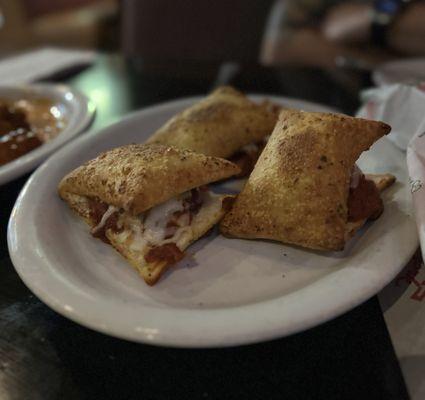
[(381, 181), (298, 190), (219, 125), (138, 177), (80, 206)]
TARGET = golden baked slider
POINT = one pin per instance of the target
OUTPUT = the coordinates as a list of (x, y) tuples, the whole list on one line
[(305, 188), (150, 202), (224, 124)]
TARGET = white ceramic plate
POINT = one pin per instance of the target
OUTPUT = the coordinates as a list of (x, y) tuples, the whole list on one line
[(408, 71), (75, 109), (227, 291)]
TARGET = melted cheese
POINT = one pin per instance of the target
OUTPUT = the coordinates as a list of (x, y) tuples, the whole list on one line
[(211, 205), (157, 218), (108, 213), (149, 229), (138, 240), (250, 148), (356, 173)]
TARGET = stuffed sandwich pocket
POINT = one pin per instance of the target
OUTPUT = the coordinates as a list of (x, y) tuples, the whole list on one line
[(305, 188), (150, 202), (224, 124)]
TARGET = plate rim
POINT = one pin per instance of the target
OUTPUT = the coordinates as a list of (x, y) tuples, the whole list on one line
[(145, 336), (20, 166)]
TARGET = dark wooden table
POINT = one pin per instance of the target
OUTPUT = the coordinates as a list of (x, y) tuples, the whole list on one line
[(45, 356)]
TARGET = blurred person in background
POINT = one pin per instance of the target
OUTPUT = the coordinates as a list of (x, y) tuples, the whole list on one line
[(193, 31), (203, 41), (327, 32)]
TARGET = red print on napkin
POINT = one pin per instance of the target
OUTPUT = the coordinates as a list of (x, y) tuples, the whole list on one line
[(411, 277)]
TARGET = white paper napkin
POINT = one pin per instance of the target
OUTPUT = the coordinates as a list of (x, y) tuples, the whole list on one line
[(403, 107), (41, 63), (403, 300)]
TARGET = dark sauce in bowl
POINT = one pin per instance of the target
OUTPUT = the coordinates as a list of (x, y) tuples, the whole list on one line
[(16, 136), (26, 125)]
